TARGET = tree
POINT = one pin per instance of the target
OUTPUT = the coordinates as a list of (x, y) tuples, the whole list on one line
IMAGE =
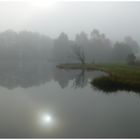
[(81, 39), (121, 51), (132, 44), (100, 46), (61, 48), (79, 53), (95, 34), (131, 59)]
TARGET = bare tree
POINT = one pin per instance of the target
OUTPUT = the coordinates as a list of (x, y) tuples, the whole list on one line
[(79, 53)]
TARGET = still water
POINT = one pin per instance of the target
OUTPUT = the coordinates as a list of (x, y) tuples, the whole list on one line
[(53, 103)]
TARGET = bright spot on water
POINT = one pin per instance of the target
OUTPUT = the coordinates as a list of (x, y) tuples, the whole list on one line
[(46, 118)]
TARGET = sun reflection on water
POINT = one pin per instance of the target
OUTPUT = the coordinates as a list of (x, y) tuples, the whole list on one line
[(46, 119), (48, 123)]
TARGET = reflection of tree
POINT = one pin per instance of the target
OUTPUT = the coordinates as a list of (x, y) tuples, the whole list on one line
[(80, 80), (63, 76), (35, 74), (31, 74)]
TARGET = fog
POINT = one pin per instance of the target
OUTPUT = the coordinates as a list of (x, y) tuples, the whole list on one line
[(69, 69), (50, 17)]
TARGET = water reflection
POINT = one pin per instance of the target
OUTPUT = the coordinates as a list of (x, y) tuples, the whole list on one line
[(36, 74), (46, 119), (66, 107), (80, 80)]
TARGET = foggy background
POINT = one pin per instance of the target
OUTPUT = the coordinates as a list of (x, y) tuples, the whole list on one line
[(33, 33), (50, 17)]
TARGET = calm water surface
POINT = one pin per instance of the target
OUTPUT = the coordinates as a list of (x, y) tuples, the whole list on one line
[(49, 102)]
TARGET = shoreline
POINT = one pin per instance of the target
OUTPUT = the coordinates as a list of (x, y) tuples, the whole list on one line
[(121, 76)]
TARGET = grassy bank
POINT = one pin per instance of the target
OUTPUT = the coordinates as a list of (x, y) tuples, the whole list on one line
[(121, 76)]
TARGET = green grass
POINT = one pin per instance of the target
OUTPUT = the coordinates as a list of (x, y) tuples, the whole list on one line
[(121, 76)]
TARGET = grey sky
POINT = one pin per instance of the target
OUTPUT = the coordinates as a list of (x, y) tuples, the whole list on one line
[(115, 19)]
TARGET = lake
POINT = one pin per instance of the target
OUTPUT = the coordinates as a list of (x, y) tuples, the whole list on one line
[(47, 102)]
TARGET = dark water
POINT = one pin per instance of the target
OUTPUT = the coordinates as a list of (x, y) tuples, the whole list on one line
[(48, 102)]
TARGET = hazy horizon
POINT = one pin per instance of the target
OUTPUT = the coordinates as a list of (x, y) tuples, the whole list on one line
[(115, 19)]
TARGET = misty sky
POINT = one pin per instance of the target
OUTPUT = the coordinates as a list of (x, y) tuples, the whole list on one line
[(115, 19)]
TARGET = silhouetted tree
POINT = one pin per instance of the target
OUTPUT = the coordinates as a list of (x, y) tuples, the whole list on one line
[(79, 53), (131, 59), (82, 40)]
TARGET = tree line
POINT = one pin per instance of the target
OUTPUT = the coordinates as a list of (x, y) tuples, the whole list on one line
[(28, 48), (94, 49)]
